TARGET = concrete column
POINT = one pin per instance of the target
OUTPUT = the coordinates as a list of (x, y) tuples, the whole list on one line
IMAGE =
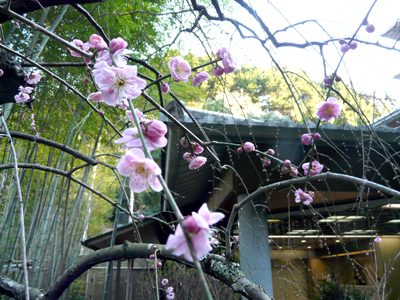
[(255, 258)]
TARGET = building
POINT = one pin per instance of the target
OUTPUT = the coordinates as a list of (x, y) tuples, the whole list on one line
[(288, 248)]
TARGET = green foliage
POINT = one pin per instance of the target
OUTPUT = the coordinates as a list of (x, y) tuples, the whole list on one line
[(76, 291)]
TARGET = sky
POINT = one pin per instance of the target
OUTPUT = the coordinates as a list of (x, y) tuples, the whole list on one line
[(370, 68)]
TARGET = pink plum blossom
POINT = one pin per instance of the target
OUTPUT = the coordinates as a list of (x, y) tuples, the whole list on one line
[(26, 90), (218, 71), (200, 77), (21, 97), (170, 296), (180, 69), (141, 217), (79, 44), (197, 225), (305, 197), (197, 162), (209, 217), (33, 78), (377, 239), (248, 147), (95, 97), (141, 170), (164, 281), (329, 110), (118, 83), (316, 168), (197, 148), (165, 88), (154, 133), (306, 139), (170, 289), (118, 44)]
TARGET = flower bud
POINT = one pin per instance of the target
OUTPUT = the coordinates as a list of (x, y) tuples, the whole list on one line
[(200, 77), (188, 156), (345, 48), (293, 172), (270, 152), (1, 72), (184, 142), (266, 162), (342, 41), (141, 217), (370, 28), (287, 163), (316, 136), (306, 139), (151, 256), (353, 45), (117, 44), (165, 88), (190, 225), (218, 71), (239, 150), (248, 147), (328, 80), (197, 148), (86, 80)]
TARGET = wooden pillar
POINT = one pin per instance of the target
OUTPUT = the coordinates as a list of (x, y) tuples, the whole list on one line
[(117, 280), (255, 257)]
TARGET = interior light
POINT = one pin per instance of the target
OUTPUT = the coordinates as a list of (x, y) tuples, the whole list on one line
[(303, 241), (394, 206), (273, 220), (309, 247), (394, 221), (337, 241)]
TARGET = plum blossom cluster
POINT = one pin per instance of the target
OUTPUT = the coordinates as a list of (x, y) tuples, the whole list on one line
[(287, 168), (197, 226), (25, 91), (346, 46), (116, 80), (194, 161), (169, 290), (229, 62), (329, 79), (248, 147), (307, 138), (142, 171)]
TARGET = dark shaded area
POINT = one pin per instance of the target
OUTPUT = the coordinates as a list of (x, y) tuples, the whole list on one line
[(13, 77), (26, 6)]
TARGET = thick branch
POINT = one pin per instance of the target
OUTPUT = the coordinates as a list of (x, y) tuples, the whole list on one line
[(10, 288), (213, 265), (53, 144), (26, 6)]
